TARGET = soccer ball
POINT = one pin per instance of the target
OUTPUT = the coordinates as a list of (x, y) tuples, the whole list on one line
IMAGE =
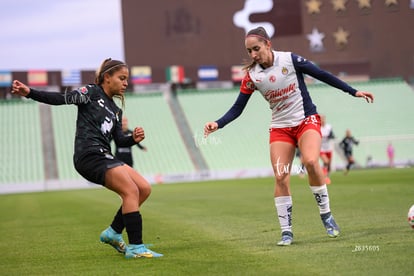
[(411, 216)]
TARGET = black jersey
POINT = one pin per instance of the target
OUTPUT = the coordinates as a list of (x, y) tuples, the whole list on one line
[(347, 144), (98, 120)]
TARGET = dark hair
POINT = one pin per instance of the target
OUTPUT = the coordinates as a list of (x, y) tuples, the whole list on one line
[(261, 34), (110, 66)]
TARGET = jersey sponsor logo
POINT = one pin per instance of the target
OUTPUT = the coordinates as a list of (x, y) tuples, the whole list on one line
[(107, 125), (272, 78), (283, 106), (280, 94)]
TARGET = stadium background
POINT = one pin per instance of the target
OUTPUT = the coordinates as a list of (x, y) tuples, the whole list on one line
[(185, 68)]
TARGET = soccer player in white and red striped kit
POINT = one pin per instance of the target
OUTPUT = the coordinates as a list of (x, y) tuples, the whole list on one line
[(278, 76), (326, 147)]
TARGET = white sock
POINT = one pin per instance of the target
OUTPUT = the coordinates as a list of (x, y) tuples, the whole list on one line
[(284, 212), (322, 198)]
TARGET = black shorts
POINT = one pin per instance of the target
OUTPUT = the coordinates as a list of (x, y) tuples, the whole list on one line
[(348, 153), (93, 166)]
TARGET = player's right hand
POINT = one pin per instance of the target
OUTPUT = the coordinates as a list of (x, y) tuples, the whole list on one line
[(209, 128), (20, 89)]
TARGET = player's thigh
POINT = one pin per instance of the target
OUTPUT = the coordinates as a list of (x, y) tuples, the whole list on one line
[(281, 156), (309, 145), (118, 180), (143, 185)]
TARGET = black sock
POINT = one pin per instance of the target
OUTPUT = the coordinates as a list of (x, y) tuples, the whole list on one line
[(118, 222), (133, 225)]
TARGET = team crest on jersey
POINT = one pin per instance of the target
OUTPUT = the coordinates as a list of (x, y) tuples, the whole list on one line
[(285, 71), (83, 90), (272, 78)]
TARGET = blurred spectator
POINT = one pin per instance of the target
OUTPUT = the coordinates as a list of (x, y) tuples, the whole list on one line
[(390, 154)]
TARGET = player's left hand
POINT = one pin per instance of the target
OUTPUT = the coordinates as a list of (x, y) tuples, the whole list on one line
[(369, 97), (138, 134)]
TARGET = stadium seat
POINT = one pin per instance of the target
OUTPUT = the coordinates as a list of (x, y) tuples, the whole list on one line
[(375, 125), (21, 144), (243, 143), (166, 151)]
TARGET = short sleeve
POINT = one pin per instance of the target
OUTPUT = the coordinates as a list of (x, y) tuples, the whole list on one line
[(247, 85)]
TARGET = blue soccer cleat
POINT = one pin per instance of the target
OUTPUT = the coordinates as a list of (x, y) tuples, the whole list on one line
[(140, 251), (332, 229), (287, 238), (109, 236)]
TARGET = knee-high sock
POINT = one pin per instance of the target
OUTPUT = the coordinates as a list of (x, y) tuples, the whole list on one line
[(118, 222), (284, 212), (133, 225), (322, 198)]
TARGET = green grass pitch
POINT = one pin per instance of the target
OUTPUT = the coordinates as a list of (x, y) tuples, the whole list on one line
[(217, 228)]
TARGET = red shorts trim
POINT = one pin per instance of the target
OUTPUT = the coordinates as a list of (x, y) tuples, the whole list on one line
[(292, 134), (327, 154)]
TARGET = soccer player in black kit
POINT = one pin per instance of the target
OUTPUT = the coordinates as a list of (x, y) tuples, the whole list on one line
[(347, 145), (99, 121)]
